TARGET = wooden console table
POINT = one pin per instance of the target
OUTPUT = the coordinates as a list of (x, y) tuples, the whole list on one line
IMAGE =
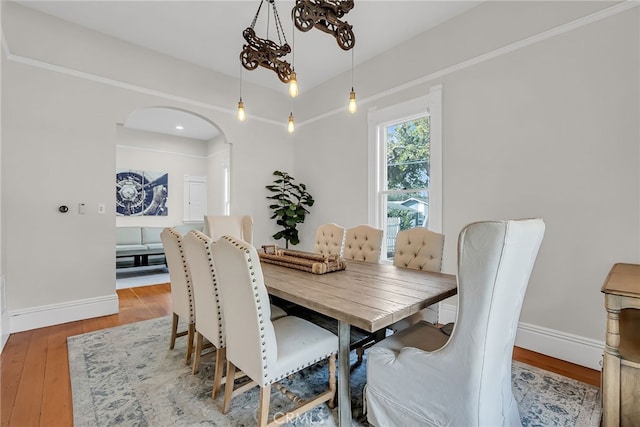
[(621, 364)]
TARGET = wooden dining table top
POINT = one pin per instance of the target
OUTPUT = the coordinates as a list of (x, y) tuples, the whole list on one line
[(366, 295)]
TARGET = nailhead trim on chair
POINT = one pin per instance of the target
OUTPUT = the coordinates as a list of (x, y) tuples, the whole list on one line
[(256, 295), (207, 244), (185, 266), (259, 306)]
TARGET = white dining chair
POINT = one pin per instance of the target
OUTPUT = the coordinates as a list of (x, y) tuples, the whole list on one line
[(207, 299), (421, 376), (363, 243), (238, 226), (329, 239), (265, 350), (420, 249), (181, 292)]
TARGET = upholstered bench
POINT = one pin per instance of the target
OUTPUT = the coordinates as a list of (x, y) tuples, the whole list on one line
[(140, 242)]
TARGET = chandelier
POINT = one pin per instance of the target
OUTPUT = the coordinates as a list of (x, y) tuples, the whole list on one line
[(264, 52), (324, 15)]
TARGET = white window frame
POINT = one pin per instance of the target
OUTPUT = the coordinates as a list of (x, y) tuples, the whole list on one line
[(430, 105)]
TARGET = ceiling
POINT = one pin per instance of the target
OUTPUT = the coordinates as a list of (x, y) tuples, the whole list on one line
[(171, 121), (209, 33)]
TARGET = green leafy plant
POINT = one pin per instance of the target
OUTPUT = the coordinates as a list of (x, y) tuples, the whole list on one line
[(289, 204)]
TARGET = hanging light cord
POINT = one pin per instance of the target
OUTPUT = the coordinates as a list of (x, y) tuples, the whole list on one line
[(352, 49)]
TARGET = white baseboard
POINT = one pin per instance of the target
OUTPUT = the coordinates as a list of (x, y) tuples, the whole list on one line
[(561, 345), (55, 314), (4, 314)]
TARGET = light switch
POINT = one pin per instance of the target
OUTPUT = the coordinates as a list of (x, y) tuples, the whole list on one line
[(101, 208), (82, 209)]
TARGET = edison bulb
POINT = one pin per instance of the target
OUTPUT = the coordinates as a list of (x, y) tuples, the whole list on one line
[(293, 85), (353, 107), (242, 116)]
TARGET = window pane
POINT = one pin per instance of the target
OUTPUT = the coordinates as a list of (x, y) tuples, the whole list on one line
[(404, 211), (408, 157)]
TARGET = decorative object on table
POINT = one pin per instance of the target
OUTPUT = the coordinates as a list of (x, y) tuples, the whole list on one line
[(141, 193), (325, 15), (109, 383), (288, 207), (304, 261), (270, 249)]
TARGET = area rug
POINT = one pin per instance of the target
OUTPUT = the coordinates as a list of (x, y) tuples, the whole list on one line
[(128, 376)]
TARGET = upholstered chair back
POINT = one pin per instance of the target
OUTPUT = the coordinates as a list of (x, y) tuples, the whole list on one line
[(431, 373), (179, 275), (363, 243), (206, 294), (251, 340), (495, 260), (420, 249), (238, 226), (329, 239)]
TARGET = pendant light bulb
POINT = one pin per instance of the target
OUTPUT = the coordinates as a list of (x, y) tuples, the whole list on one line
[(293, 85), (353, 107), (291, 126), (242, 116)]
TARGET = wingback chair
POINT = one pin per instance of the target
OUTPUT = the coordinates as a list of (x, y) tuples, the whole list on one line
[(266, 351), (420, 376), (181, 291), (329, 239), (420, 249), (207, 299), (238, 226), (363, 243)]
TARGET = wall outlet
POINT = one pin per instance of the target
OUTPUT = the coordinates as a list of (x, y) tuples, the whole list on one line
[(101, 208)]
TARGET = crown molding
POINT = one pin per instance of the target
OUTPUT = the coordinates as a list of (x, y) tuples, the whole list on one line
[(545, 35)]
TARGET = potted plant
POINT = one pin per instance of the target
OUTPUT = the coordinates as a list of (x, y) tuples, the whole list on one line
[(289, 204)]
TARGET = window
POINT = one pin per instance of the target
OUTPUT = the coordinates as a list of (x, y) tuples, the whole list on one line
[(405, 177)]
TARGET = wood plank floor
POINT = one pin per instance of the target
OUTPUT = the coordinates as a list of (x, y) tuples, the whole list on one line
[(35, 389)]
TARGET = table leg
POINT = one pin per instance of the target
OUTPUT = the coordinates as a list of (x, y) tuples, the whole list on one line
[(344, 374)]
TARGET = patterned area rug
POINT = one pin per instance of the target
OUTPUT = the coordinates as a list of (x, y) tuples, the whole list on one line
[(128, 376)]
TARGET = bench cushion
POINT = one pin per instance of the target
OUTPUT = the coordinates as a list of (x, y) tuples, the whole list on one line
[(155, 247), (151, 235), (128, 236)]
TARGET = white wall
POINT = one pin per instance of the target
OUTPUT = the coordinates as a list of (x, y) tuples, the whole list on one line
[(544, 127), (540, 119), (4, 314), (150, 151), (218, 165), (61, 103)]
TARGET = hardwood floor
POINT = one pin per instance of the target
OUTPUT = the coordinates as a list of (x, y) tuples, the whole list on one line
[(35, 389)]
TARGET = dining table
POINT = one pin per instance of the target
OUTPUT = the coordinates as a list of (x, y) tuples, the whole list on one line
[(369, 296)]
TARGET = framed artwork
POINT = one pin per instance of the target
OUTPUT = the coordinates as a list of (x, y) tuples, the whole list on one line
[(141, 193)]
